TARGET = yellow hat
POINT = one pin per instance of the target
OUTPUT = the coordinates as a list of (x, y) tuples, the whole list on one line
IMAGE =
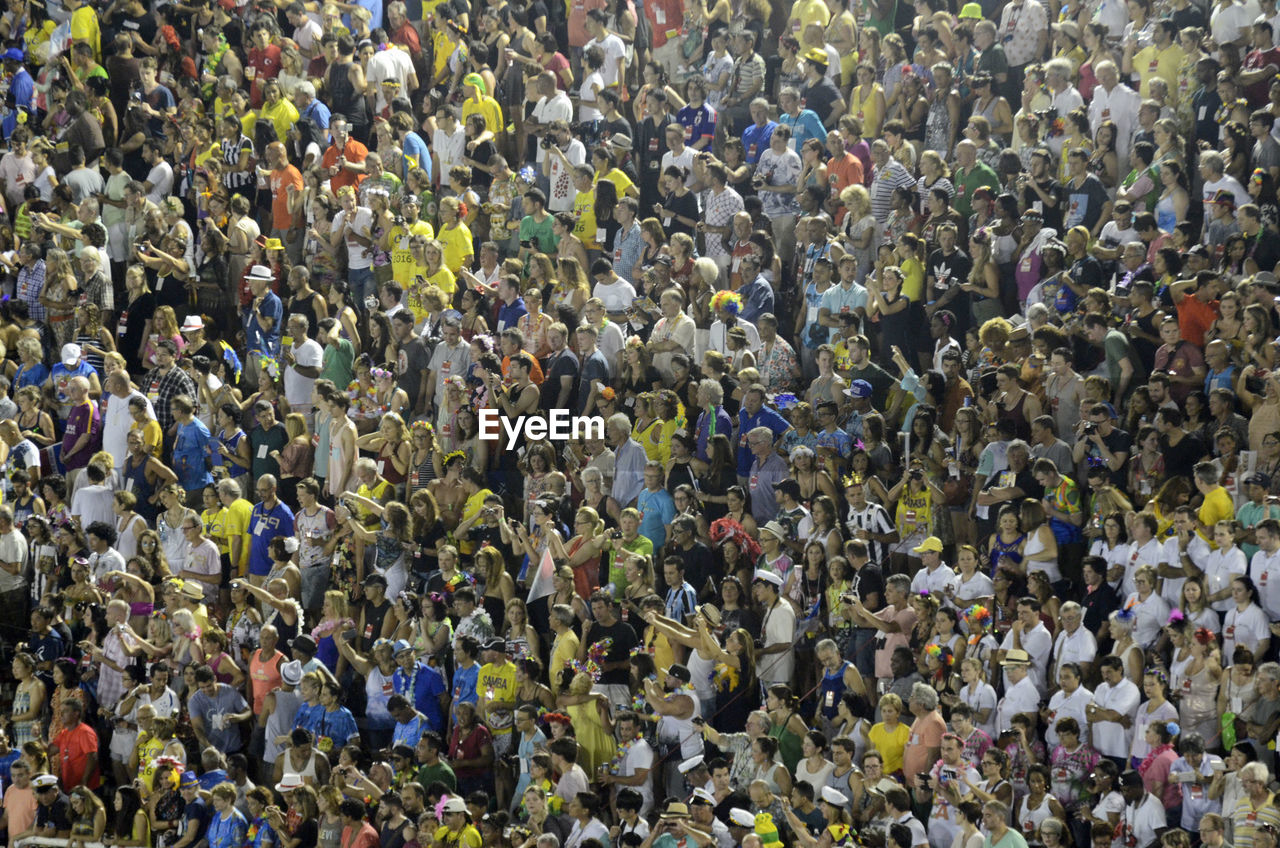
[(818, 56), (267, 243), (933, 543)]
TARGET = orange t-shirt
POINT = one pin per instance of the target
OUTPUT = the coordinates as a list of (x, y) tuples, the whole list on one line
[(926, 733), (355, 152), (1194, 318), (281, 182)]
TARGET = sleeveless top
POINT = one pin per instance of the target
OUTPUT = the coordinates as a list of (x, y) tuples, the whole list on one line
[(1035, 546), (337, 459), (831, 690), (682, 732), (1029, 820), (286, 630), (320, 440), (1009, 549), (126, 542), (233, 470), (702, 673), (135, 480), (1166, 217), (94, 360), (387, 466), (280, 722), (215, 661), (378, 689), (343, 97)]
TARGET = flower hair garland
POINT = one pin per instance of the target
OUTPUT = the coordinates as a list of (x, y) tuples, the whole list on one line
[(422, 424), (727, 301), (1205, 636), (380, 373), (589, 668), (945, 657)]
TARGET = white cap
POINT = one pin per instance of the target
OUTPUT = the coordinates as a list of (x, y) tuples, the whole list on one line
[(192, 324), (261, 272), (71, 355), (701, 794), (43, 781), (691, 764), (767, 576), (834, 797), (741, 817)]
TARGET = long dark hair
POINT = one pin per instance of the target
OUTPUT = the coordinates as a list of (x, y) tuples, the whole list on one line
[(130, 803)]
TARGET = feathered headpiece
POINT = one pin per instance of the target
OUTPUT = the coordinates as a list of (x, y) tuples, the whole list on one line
[(1205, 636), (727, 530), (270, 366), (730, 302), (1176, 617), (635, 341), (1125, 616), (557, 718)]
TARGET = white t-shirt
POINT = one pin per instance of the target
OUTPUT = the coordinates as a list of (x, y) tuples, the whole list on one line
[(561, 178), (639, 756), (449, 149), (161, 179), (556, 108), (1110, 738), (357, 258), (614, 49), (93, 503), (617, 296), (297, 388), (1220, 569), (1061, 706), (587, 110)]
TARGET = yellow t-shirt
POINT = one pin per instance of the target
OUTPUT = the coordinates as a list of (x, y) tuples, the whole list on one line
[(584, 208), (402, 264), (84, 27), (563, 652), (1151, 62), (282, 116), (237, 524), (890, 744), (215, 527), (806, 12), (619, 179), (468, 837), (913, 279), (489, 108), (913, 512), (151, 435), (457, 245), (1217, 506), (497, 684), (471, 509)]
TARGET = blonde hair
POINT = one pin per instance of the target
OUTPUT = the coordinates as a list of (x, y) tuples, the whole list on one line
[(597, 523), (338, 601), (889, 699), (296, 425)]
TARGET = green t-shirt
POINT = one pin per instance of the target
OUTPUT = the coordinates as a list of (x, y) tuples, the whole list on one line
[(338, 363), (540, 234), (969, 182), (441, 771), (617, 574)]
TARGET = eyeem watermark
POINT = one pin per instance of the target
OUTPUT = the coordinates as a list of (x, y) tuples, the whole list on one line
[(558, 426)]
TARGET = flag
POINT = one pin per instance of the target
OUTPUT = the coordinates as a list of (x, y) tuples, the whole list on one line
[(540, 586)]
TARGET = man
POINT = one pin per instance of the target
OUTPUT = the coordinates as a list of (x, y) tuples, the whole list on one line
[(673, 333), (215, 710), (116, 420), (1112, 711), (74, 751), (947, 778), (890, 174), (52, 814), (1120, 356), (924, 745), (270, 518), (203, 567), (1213, 172), (564, 154), (897, 808), (13, 557), (562, 369), (1045, 443), (775, 661), (1098, 440), (1021, 696), (616, 667), (803, 123), (1143, 819), (766, 471), (286, 200), (633, 771), (20, 805), (657, 508), (94, 499), (103, 557), (970, 175), (83, 435), (451, 357), (1029, 635), (995, 820), (936, 576), (1073, 644)]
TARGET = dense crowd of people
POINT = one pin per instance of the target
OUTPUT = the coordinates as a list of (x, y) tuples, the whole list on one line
[(927, 362)]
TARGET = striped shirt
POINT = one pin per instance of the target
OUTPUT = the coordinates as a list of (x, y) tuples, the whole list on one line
[(874, 519), (893, 175), (746, 73), (230, 151)]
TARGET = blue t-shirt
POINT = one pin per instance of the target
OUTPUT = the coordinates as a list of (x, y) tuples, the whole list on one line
[(229, 832), (657, 509), (265, 525), (698, 123), (265, 341), (21, 90), (318, 113), (413, 146), (465, 681), (190, 450), (36, 375), (508, 316), (803, 127), (338, 726), (428, 686), (755, 140)]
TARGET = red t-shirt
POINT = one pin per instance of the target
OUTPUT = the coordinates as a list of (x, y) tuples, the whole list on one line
[(266, 64), (556, 64), (74, 745)]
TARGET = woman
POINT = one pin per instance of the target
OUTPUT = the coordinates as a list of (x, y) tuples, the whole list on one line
[(88, 817), (130, 826), (28, 701), (1155, 766), (867, 101), (1174, 200), (995, 785), (1224, 563), (470, 749), (1245, 624), (1157, 709), (889, 736), (227, 827), (1197, 685), (1070, 763), (1108, 803), (1037, 805), (1103, 162), (1146, 466)]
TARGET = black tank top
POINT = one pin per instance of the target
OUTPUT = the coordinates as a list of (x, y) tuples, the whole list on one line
[(343, 97)]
